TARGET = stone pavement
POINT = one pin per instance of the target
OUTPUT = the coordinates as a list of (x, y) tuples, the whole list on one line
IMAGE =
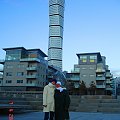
[(73, 116)]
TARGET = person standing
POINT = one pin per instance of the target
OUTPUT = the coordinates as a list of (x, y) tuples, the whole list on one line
[(48, 100), (62, 102)]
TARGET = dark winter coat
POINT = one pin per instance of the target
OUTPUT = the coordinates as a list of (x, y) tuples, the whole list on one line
[(62, 102)]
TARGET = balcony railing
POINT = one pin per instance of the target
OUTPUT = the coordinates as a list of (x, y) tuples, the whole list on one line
[(100, 86), (29, 59), (2, 61), (34, 59), (108, 82), (100, 78), (75, 71), (31, 76), (100, 70), (31, 68), (108, 75), (74, 78), (31, 84), (1, 69), (109, 88)]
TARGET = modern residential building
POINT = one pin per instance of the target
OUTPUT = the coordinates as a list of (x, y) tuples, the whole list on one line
[(93, 72), (56, 20), (24, 69)]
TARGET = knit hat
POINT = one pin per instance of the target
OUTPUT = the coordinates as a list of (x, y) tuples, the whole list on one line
[(58, 83), (53, 80)]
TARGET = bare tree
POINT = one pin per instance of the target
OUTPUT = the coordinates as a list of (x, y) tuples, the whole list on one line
[(92, 88), (83, 89)]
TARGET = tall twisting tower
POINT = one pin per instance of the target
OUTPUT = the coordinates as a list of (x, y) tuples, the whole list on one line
[(56, 20)]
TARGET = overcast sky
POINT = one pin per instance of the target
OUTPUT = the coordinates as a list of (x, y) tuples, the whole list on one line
[(89, 26)]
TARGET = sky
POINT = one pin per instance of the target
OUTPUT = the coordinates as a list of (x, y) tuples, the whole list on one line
[(89, 26)]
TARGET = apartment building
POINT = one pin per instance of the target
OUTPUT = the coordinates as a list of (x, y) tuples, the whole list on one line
[(24, 69), (93, 71)]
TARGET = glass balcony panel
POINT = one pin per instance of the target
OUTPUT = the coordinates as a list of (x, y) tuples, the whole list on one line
[(100, 78), (31, 76), (100, 86)]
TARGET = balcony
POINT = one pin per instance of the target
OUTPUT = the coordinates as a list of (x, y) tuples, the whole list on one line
[(100, 78), (74, 78), (31, 84), (1, 69), (108, 82), (31, 76), (2, 61), (109, 89), (100, 70), (32, 68), (75, 71), (100, 86), (29, 59), (108, 75)]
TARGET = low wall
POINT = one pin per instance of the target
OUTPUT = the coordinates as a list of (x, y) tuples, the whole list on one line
[(21, 94)]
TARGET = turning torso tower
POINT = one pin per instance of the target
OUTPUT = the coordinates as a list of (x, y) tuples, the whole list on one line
[(56, 20)]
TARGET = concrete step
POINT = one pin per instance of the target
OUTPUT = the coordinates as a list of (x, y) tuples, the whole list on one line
[(113, 105), (86, 109), (96, 97), (90, 100), (109, 101), (110, 110), (73, 108), (15, 102), (11, 98)]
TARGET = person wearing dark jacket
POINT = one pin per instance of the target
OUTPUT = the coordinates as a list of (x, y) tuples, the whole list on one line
[(62, 102)]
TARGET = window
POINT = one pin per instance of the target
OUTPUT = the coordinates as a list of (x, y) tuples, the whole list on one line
[(19, 81), (20, 65), (8, 81), (31, 82), (92, 68), (20, 73), (83, 58), (92, 61), (9, 74), (92, 75), (84, 75), (84, 68), (9, 66), (13, 54), (93, 58)]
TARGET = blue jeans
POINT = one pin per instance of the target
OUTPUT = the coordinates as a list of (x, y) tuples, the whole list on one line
[(46, 116)]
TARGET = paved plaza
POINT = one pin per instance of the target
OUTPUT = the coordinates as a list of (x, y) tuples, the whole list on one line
[(73, 116)]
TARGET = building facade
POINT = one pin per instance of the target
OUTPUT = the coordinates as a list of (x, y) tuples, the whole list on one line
[(24, 69), (93, 71), (56, 20)]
